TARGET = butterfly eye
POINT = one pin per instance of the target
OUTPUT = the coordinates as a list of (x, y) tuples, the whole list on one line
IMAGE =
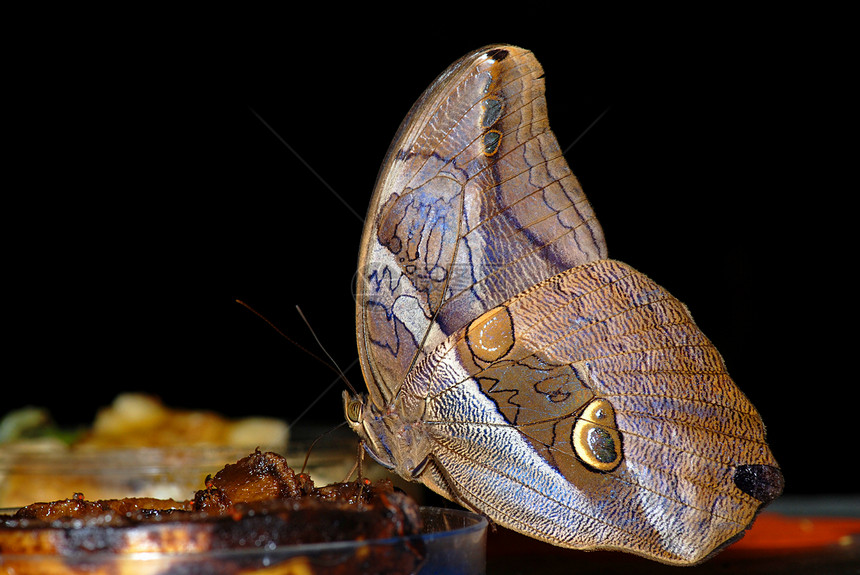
[(353, 411)]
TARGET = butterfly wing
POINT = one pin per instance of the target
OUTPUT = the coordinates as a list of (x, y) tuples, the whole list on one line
[(512, 367), (474, 204), (591, 412)]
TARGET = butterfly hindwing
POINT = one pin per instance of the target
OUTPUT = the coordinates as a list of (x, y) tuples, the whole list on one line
[(613, 408)]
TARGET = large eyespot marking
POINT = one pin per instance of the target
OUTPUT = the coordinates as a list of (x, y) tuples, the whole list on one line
[(595, 437)]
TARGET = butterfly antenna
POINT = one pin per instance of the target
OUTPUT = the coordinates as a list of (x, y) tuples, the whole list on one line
[(328, 355), (334, 368), (314, 442)]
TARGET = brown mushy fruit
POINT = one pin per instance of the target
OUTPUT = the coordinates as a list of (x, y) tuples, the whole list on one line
[(257, 504)]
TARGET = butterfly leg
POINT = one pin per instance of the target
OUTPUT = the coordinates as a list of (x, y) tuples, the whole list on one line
[(357, 466)]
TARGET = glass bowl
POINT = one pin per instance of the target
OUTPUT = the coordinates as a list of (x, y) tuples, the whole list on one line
[(109, 473), (29, 475), (453, 542)]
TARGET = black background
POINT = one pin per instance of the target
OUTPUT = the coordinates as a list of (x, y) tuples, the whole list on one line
[(150, 187)]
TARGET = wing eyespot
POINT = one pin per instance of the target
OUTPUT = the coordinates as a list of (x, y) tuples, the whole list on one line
[(493, 107), (492, 141), (595, 437), (491, 336)]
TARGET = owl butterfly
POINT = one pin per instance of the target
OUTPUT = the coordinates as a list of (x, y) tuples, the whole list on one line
[(512, 367)]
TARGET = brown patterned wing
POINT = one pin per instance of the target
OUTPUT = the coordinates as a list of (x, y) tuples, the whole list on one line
[(607, 420), (474, 204)]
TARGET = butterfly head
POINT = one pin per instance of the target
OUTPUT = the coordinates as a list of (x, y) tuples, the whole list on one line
[(361, 417)]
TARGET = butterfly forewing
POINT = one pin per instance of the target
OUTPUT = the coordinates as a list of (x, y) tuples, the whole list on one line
[(474, 205)]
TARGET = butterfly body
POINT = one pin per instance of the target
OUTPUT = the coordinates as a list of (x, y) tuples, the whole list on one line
[(515, 369)]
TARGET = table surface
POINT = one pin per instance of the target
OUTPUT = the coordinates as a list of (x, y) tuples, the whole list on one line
[(793, 535)]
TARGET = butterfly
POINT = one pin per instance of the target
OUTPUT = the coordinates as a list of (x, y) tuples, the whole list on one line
[(515, 369)]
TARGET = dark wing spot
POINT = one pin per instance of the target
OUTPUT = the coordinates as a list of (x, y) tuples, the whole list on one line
[(492, 139), (763, 482), (602, 445), (497, 54), (492, 111)]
